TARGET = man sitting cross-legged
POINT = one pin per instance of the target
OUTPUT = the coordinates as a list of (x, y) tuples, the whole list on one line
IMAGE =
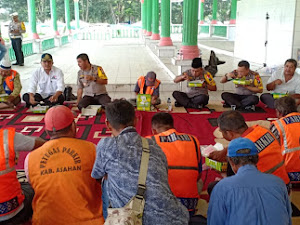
[(199, 81), (184, 159), (10, 85), (245, 93), (60, 174), (46, 85)]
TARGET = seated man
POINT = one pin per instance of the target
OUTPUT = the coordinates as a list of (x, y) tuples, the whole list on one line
[(60, 174), (283, 81), (119, 158), (287, 131), (184, 159), (10, 85), (199, 81), (91, 83), (232, 125), (249, 197), (149, 85), (15, 197), (46, 85), (245, 96)]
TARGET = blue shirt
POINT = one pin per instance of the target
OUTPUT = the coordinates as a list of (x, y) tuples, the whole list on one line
[(120, 158), (249, 197)]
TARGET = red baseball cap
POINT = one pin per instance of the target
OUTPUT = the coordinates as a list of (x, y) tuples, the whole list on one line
[(58, 118)]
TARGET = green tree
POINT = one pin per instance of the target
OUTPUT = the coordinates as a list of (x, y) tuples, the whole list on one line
[(223, 13), (177, 12)]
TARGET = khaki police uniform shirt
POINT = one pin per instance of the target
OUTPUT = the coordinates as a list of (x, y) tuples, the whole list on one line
[(16, 26), (90, 87), (195, 91)]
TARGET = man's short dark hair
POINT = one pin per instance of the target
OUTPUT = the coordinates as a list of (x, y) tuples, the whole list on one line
[(285, 105), (244, 63), (245, 160), (232, 121), (84, 57), (120, 113), (162, 119), (292, 61)]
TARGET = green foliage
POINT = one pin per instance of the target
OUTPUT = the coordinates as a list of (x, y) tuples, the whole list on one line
[(177, 12), (93, 11), (223, 13)]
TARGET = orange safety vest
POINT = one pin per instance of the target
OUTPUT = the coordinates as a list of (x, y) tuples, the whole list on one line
[(150, 89), (11, 196), (65, 192), (289, 133), (10, 80), (270, 157), (183, 162)]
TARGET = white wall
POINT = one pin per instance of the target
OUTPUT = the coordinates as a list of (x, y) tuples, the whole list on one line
[(251, 30)]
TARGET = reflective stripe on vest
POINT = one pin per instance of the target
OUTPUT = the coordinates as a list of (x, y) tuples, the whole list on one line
[(272, 170), (11, 196), (183, 161), (150, 89), (285, 144), (269, 152)]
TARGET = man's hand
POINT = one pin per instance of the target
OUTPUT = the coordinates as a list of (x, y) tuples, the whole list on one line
[(10, 99), (278, 82), (32, 100), (230, 76), (184, 76), (219, 156), (53, 98)]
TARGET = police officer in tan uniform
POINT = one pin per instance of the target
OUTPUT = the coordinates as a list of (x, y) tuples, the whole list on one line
[(91, 83), (16, 29)]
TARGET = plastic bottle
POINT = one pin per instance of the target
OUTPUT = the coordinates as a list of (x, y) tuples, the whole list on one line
[(169, 104)]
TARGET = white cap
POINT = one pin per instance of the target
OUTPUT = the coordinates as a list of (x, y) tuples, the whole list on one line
[(5, 65), (14, 14)]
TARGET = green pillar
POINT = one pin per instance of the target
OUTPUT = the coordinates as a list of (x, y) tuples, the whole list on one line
[(189, 47), (76, 11), (202, 12), (155, 20), (165, 11), (53, 16), (233, 12), (32, 18), (67, 14), (215, 10), (149, 17), (144, 16)]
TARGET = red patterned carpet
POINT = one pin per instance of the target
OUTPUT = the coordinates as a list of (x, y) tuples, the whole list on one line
[(93, 128)]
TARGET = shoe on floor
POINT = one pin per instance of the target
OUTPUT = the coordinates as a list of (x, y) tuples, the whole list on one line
[(22, 64), (226, 105), (250, 108), (15, 64), (177, 104)]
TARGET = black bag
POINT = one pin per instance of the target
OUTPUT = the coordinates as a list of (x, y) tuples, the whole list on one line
[(68, 94)]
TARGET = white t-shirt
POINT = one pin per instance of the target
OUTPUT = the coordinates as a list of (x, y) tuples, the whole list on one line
[(292, 86), (47, 84)]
